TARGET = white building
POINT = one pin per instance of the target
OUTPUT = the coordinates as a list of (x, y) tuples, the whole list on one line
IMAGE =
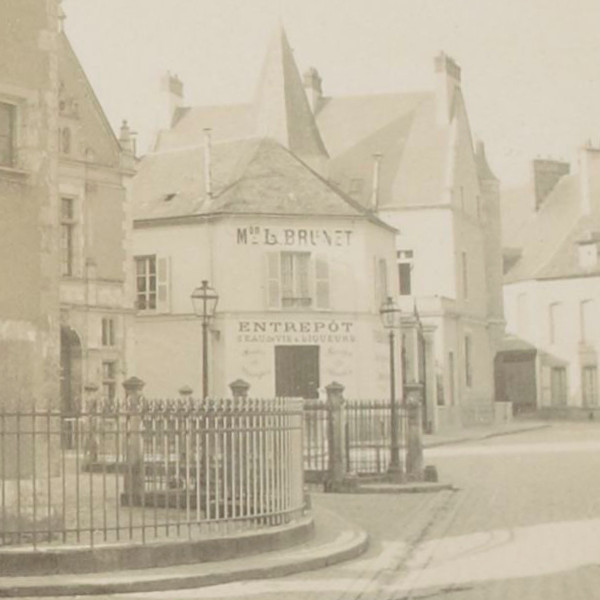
[(552, 287), (410, 157), (301, 269)]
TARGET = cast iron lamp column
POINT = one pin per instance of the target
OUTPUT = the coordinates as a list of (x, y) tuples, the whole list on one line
[(204, 300), (391, 319)]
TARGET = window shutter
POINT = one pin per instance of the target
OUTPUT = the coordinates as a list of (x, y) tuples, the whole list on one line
[(163, 285), (377, 284), (273, 285), (322, 281)]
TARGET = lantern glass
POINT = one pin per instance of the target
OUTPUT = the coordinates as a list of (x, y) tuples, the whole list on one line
[(204, 300), (390, 314)]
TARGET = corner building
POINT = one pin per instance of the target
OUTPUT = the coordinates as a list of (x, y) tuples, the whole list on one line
[(300, 270)]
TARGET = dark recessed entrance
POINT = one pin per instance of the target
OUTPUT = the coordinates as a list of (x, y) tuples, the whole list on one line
[(297, 371)]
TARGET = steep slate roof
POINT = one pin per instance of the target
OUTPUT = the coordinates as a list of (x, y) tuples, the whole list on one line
[(95, 131), (279, 110), (250, 176), (549, 237), (416, 150)]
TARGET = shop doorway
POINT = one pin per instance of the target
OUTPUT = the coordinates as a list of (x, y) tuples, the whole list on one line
[(297, 371)]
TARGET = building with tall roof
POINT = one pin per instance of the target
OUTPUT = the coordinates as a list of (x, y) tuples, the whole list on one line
[(301, 269), (66, 223), (402, 165), (94, 217), (552, 286), (410, 158)]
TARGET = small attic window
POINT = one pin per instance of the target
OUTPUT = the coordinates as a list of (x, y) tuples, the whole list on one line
[(588, 250), (169, 197)]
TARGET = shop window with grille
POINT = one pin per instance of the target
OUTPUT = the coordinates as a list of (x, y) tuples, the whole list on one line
[(7, 134)]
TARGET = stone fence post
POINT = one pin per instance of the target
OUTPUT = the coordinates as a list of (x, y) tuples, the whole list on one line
[(414, 431), (239, 389), (133, 479), (337, 478)]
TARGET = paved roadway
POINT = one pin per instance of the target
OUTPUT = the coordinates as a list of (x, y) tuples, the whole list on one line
[(525, 524)]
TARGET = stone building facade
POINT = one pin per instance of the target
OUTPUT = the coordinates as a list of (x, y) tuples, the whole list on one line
[(29, 312), (552, 288), (94, 213)]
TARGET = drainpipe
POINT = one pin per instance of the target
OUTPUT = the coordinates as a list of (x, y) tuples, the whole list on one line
[(207, 163)]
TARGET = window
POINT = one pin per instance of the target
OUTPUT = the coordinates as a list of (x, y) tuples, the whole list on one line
[(558, 386), (67, 227), (7, 134), (405, 266), (108, 331), (145, 268), (465, 275), (295, 286), (297, 280), (109, 379), (65, 140), (589, 385), (468, 362), (462, 198), (555, 317), (588, 321)]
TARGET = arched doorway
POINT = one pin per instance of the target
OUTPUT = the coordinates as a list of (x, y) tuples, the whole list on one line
[(70, 382)]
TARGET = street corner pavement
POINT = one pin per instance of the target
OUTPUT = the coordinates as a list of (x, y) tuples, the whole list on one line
[(336, 539)]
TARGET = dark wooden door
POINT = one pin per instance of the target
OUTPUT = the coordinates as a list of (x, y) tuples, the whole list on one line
[(297, 371)]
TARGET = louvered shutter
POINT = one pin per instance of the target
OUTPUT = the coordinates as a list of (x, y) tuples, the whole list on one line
[(163, 285), (322, 281), (273, 277)]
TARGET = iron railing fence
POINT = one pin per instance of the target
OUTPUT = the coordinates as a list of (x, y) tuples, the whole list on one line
[(367, 437), (157, 469)]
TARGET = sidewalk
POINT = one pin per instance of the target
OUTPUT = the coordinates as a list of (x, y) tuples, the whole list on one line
[(475, 433), (335, 540)]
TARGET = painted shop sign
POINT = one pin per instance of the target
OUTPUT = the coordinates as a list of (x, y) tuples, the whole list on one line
[(296, 332), (293, 236)]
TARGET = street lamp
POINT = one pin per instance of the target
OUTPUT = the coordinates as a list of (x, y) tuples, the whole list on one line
[(391, 319), (204, 299)]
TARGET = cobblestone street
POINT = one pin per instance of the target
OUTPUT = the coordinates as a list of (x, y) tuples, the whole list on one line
[(524, 523)]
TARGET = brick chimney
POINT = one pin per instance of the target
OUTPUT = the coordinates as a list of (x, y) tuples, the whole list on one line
[(447, 84), (546, 174), (589, 173), (312, 85)]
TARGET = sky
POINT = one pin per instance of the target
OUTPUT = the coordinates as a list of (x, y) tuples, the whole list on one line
[(530, 68)]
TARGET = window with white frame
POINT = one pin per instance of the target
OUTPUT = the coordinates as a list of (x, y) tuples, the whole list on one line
[(109, 379), (145, 269), (108, 331), (555, 322), (405, 267), (297, 280), (588, 321), (7, 134), (67, 236)]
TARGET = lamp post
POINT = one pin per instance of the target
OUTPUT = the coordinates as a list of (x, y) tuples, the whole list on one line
[(390, 317), (204, 300)]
